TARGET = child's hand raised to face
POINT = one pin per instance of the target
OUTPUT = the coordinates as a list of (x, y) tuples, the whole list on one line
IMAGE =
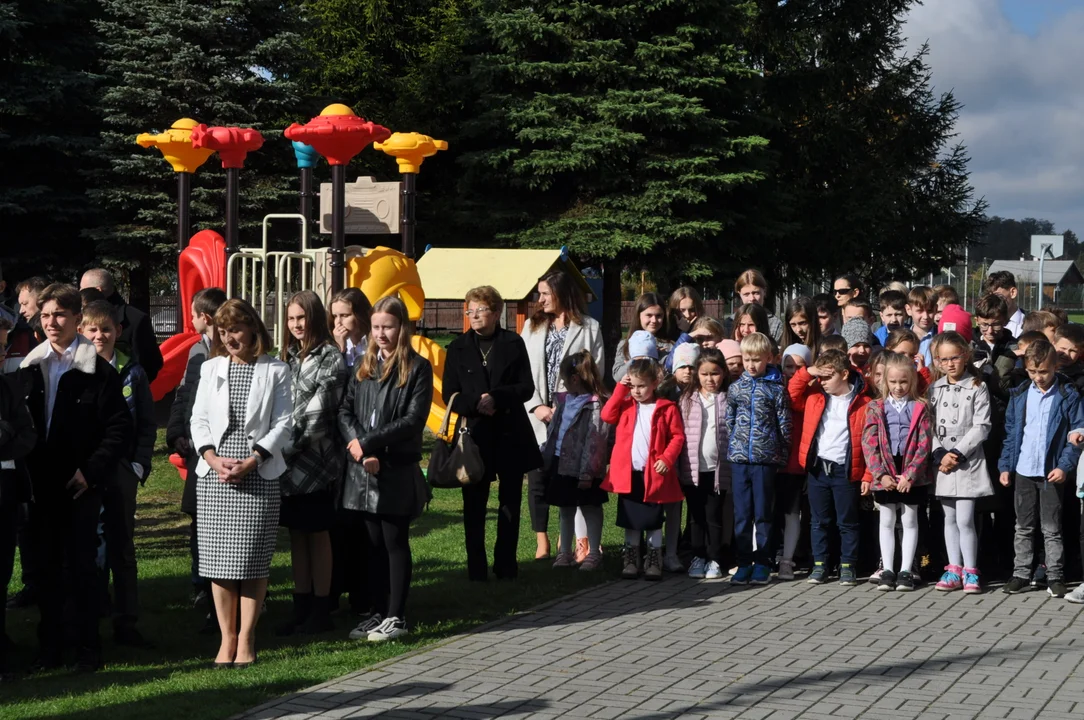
[(626, 380)]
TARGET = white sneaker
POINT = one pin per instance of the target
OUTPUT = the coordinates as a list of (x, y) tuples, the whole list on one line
[(390, 629), (671, 564), (1077, 595), (697, 569), (368, 623), (713, 572)]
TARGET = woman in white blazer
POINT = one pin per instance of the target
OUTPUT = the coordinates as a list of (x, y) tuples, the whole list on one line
[(241, 420), (561, 327)]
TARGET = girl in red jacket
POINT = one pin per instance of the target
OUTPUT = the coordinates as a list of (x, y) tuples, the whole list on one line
[(643, 466)]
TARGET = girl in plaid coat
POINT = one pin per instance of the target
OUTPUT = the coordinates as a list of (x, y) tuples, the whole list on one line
[(315, 458), (575, 458), (896, 442)]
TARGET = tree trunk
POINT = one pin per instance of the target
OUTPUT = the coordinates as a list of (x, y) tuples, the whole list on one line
[(139, 286), (611, 314)]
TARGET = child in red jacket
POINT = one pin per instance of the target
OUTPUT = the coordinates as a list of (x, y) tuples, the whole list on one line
[(643, 466)]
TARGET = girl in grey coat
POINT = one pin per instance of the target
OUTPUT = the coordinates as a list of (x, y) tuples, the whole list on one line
[(960, 403)]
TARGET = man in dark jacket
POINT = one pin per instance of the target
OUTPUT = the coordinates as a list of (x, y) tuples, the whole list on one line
[(84, 430), (205, 304), (17, 438), (137, 337)]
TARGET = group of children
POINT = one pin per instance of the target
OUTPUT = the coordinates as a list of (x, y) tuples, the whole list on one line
[(926, 419)]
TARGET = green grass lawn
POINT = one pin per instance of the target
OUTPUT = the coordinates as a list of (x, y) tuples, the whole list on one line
[(174, 679)]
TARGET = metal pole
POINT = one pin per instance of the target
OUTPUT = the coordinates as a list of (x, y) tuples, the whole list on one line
[(407, 224), (967, 277), (337, 254), (184, 212), (1042, 259), (232, 186), (305, 205)]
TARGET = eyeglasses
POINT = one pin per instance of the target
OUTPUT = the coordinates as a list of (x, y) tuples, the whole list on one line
[(953, 359), (477, 312), (843, 291), (990, 326)]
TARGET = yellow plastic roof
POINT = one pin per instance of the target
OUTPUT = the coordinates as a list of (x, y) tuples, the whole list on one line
[(448, 273)]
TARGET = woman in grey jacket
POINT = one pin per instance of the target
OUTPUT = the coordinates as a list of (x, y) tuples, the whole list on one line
[(561, 327), (314, 457), (381, 420)]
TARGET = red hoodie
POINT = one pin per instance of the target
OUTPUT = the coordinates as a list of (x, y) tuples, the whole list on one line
[(667, 439)]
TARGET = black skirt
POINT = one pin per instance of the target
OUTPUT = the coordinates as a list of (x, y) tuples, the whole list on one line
[(914, 496), (311, 512), (564, 490), (635, 514)]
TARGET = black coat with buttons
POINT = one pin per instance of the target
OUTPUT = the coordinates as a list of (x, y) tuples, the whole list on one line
[(506, 440)]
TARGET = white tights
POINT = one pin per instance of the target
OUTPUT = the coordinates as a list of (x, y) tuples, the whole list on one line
[(592, 522), (792, 528), (654, 538), (961, 539), (888, 535)]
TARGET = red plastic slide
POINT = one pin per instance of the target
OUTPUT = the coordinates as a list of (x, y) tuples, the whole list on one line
[(201, 265)]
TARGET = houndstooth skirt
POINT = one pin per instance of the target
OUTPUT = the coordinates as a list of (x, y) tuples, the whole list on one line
[(236, 525)]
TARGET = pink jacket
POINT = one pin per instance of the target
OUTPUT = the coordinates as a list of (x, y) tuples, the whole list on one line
[(692, 413)]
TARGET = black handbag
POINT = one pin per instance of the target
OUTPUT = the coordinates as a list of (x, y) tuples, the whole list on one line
[(458, 462)]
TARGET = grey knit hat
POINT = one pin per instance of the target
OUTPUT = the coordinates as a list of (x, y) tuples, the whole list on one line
[(856, 332)]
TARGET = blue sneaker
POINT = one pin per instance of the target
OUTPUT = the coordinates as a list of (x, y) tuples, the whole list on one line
[(762, 574), (847, 575), (745, 572), (819, 574)]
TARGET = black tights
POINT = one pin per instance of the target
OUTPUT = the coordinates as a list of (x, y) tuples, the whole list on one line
[(392, 566)]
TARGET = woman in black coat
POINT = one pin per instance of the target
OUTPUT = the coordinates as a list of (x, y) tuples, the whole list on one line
[(489, 369)]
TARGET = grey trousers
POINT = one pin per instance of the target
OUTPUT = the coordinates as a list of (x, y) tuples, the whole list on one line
[(1038, 502)]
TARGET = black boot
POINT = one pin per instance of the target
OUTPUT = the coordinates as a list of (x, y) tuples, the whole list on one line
[(319, 620), (302, 608)]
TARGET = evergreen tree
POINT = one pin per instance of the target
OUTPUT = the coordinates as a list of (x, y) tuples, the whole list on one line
[(614, 128), (221, 62), (402, 66), (47, 126), (866, 173)]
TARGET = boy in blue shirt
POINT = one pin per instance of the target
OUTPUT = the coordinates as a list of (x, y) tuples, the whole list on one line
[(1038, 421)]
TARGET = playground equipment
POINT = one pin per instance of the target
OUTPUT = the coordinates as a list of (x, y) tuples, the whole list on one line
[(337, 134), (267, 277), (448, 273), (176, 147)]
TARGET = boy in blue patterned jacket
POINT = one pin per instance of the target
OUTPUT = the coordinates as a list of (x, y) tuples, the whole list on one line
[(758, 421)]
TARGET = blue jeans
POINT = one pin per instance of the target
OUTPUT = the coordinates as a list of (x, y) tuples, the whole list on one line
[(753, 488), (833, 500)]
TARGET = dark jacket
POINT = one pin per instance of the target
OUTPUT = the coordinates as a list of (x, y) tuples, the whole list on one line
[(180, 414), (17, 439), (137, 337), (1066, 413), (136, 389), (506, 440), (387, 420), (91, 428)]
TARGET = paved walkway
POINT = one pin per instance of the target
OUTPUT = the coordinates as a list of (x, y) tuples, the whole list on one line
[(682, 649)]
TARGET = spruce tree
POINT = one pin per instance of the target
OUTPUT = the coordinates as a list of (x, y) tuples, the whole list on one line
[(47, 126), (614, 128), (221, 62), (867, 175)]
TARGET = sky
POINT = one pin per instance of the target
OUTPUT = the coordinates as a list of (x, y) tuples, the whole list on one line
[(1017, 66)]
